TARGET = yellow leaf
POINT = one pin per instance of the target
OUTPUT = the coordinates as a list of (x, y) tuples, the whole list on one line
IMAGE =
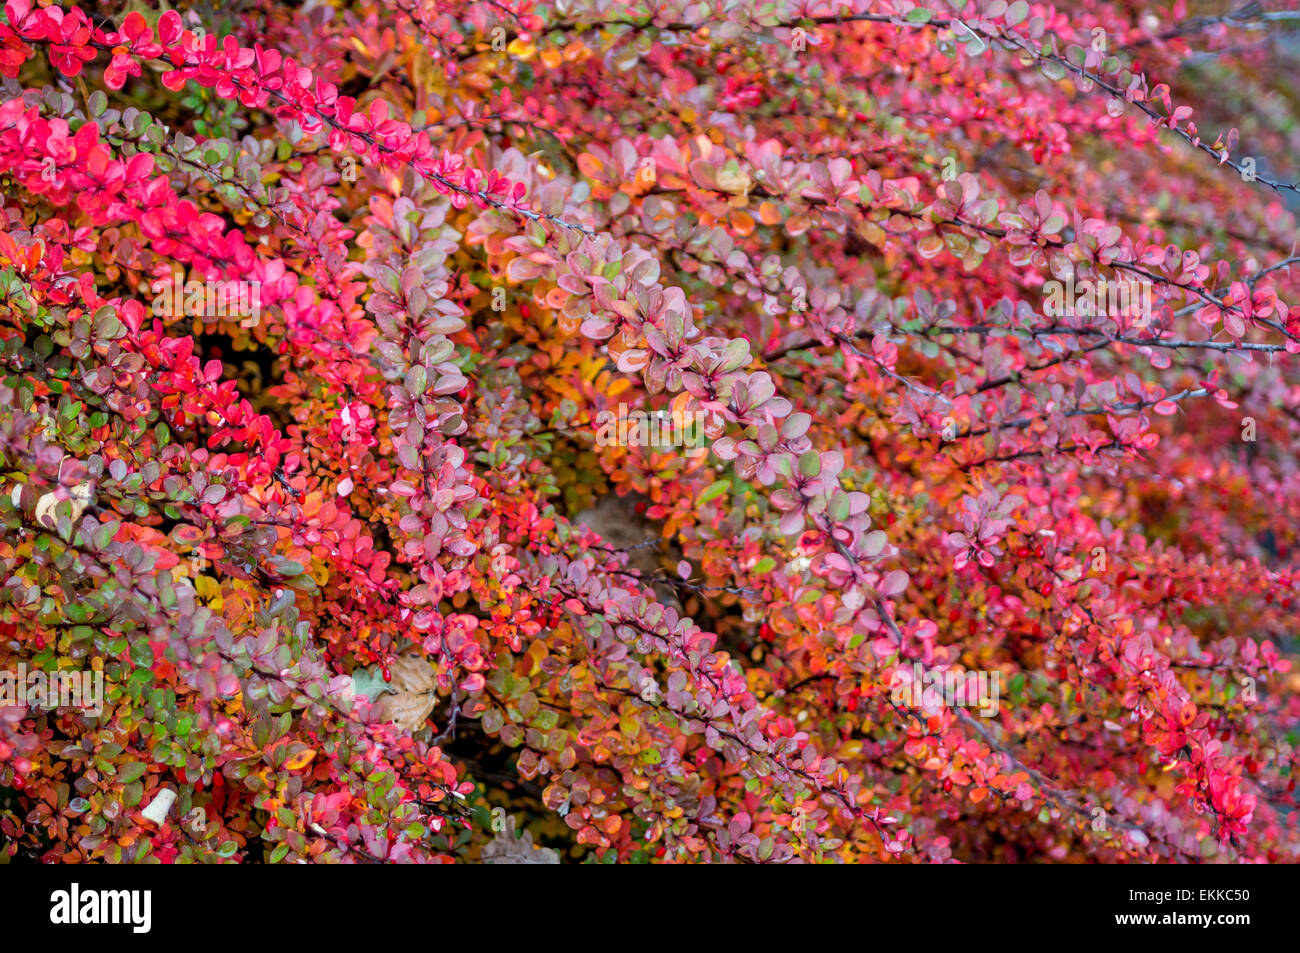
[(732, 178), (301, 759)]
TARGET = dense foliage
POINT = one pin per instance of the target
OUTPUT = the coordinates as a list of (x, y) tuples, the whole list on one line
[(310, 313)]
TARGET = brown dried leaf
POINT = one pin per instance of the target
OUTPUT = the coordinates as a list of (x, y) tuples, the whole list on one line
[(79, 495), (413, 674), (407, 710)]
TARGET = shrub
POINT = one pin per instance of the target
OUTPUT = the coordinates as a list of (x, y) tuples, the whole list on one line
[(828, 431)]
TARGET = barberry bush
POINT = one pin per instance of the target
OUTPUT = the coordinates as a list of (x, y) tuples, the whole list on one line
[(314, 320)]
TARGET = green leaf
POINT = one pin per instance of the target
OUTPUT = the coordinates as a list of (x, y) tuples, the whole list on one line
[(142, 654), (369, 682), (919, 15), (417, 379), (1053, 70), (713, 491), (303, 582), (285, 567), (493, 720), (131, 771)]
